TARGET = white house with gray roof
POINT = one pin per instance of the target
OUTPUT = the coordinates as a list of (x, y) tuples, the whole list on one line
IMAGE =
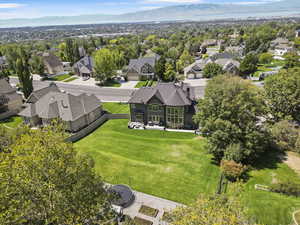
[(142, 68), (10, 101), (84, 67), (49, 103)]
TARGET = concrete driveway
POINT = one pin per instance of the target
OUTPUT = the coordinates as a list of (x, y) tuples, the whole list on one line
[(196, 82), (129, 84)]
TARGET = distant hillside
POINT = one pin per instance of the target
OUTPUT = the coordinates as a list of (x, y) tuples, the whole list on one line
[(196, 12)]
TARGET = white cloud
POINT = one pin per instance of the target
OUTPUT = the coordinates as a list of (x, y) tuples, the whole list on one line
[(10, 5)]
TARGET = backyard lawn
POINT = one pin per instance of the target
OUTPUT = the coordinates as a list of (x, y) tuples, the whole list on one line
[(176, 166), (116, 107), (12, 122), (171, 165), (270, 208)]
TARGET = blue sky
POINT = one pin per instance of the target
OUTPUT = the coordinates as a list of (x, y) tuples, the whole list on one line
[(39, 8)]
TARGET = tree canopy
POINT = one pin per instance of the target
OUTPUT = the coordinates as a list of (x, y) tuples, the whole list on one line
[(283, 95), (229, 114), (45, 182)]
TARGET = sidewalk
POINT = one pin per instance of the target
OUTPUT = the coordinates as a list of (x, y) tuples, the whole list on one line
[(162, 205)]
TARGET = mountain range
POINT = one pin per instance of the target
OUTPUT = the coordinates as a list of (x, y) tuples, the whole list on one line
[(192, 12)]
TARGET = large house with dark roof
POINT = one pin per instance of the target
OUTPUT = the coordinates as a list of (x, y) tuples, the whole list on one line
[(52, 63), (10, 101), (84, 67), (142, 68), (50, 103), (168, 105)]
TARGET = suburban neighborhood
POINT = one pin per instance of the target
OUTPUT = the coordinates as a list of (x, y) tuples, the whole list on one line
[(151, 123)]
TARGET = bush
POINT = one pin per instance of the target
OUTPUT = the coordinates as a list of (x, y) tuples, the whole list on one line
[(265, 58), (285, 135), (232, 170), (287, 188)]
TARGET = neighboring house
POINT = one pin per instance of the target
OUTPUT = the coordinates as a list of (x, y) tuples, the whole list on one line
[(280, 41), (225, 60), (238, 51), (10, 101), (52, 63), (195, 70), (76, 112), (3, 63), (168, 105), (142, 68), (229, 65), (282, 49), (298, 33), (84, 67)]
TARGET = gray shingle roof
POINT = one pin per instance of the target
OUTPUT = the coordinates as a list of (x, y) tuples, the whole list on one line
[(62, 105), (137, 64), (5, 87), (169, 94), (85, 65), (36, 95), (52, 60)]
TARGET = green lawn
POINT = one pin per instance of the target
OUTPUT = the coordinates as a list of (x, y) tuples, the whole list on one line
[(146, 83), (170, 165), (60, 77), (268, 207), (71, 79), (261, 69), (111, 83), (12, 122), (116, 107)]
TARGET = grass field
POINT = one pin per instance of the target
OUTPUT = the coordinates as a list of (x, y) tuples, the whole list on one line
[(60, 77), (171, 165), (111, 83), (176, 166), (270, 208), (12, 122), (71, 79), (116, 107), (145, 84)]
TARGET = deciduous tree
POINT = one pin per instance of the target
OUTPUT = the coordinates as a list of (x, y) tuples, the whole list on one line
[(230, 114)]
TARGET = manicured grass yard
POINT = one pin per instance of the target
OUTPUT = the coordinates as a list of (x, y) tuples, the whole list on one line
[(60, 77), (170, 165), (12, 122), (116, 107), (146, 83), (268, 207), (71, 79)]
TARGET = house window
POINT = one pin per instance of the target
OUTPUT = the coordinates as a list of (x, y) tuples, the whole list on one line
[(175, 117), (155, 107), (154, 119)]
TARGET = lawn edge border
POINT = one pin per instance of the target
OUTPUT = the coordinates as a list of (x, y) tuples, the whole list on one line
[(294, 217)]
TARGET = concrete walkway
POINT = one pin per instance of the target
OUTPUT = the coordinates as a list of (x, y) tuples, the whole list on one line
[(292, 159), (160, 204)]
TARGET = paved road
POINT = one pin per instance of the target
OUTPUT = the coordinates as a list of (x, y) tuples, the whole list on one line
[(103, 93)]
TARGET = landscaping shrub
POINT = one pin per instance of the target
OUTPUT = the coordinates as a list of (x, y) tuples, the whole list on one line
[(287, 188), (285, 136), (232, 170)]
